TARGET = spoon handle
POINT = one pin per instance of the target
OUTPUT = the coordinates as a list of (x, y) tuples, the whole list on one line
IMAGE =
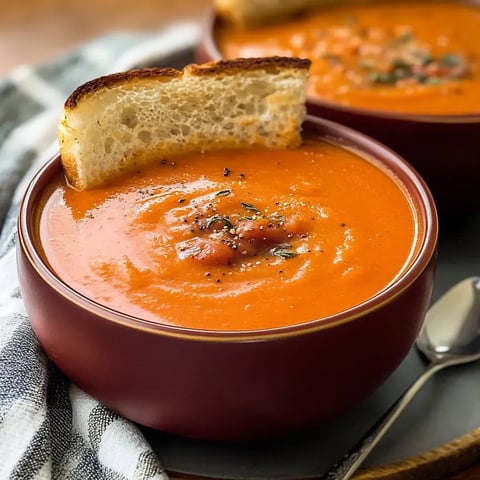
[(351, 461)]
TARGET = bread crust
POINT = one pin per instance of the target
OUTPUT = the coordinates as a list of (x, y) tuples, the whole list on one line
[(222, 67), (232, 67)]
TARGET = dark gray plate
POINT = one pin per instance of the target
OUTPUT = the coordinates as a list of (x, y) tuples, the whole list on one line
[(446, 408)]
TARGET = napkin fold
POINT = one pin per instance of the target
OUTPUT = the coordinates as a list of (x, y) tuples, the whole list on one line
[(49, 428)]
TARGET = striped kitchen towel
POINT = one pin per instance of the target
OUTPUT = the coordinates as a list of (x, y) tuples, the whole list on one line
[(49, 428)]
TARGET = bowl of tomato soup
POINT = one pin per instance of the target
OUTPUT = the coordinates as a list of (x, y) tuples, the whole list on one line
[(234, 294), (404, 72)]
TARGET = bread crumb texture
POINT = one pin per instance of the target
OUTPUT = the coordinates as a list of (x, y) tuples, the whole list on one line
[(122, 121)]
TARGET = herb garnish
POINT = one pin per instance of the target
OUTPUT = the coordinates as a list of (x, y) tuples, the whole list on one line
[(401, 63), (249, 206), (277, 219), (420, 67), (424, 57), (383, 78), (219, 218), (223, 193), (451, 60), (283, 250)]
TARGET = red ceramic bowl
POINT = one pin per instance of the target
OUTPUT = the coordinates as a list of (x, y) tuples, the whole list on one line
[(444, 149), (230, 385)]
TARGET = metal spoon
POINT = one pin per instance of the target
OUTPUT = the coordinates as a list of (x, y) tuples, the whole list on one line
[(450, 336)]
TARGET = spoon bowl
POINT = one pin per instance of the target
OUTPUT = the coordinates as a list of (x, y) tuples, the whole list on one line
[(450, 336), (451, 330)]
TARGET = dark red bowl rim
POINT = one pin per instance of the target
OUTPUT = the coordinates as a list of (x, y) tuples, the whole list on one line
[(332, 131), (207, 43)]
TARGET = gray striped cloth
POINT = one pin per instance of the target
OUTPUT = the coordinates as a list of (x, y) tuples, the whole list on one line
[(49, 428)]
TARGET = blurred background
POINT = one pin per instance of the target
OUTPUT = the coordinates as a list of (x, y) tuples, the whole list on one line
[(33, 31)]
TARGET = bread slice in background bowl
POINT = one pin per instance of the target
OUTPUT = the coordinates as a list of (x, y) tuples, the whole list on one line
[(218, 384), (442, 147)]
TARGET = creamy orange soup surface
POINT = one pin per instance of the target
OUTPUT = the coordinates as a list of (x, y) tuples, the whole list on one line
[(408, 57), (234, 240)]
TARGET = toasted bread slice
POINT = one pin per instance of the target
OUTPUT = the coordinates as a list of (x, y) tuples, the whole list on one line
[(247, 13), (116, 123)]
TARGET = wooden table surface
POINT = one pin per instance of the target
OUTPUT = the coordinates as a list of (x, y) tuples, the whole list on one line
[(33, 31)]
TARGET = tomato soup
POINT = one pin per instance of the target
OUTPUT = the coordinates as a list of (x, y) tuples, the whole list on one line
[(409, 57), (234, 240)]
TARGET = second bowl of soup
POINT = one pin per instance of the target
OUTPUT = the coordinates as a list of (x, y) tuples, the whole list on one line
[(407, 73)]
